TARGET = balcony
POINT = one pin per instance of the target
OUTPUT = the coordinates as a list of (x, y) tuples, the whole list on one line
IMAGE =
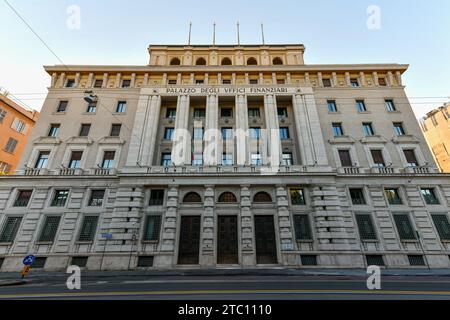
[(102, 171), (349, 170), (35, 171), (419, 170), (70, 172)]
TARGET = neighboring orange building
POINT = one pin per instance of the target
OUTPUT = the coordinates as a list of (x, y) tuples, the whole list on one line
[(15, 126), (436, 128)]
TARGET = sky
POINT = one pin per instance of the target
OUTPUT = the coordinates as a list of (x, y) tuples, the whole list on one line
[(413, 32)]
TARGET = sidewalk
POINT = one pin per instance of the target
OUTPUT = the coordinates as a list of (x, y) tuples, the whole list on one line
[(39, 276)]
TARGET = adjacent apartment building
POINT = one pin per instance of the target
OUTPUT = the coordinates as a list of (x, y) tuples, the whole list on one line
[(226, 156), (437, 132), (16, 123)]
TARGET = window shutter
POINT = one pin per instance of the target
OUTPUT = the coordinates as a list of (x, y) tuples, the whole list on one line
[(344, 156), (25, 129), (377, 156), (14, 123)]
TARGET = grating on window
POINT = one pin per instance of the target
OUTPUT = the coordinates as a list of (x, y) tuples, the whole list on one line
[(79, 261), (10, 229), (39, 262), (88, 228), (152, 228), (442, 225), (416, 260), (365, 227), (50, 228), (145, 261), (308, 260), (302, 227), (375, 260)]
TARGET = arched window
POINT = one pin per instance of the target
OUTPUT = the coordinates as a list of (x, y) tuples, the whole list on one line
[(226, 62), (192, 197), (200, 62), (227, 197), (277, 60), (175, 62), (262, 197), (252, 61)]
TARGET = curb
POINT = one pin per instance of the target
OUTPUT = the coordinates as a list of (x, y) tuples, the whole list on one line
[(8, 283)]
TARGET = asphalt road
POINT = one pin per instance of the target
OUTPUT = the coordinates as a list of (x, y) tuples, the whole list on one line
[(233, 288)]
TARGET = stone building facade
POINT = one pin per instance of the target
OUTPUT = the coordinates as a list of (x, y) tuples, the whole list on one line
[(437, 133), (226, 156)]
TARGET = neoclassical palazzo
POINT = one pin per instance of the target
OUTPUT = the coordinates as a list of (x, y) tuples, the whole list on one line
[(226, 156)]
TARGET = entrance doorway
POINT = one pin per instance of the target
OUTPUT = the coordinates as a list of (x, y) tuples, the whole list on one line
[(189, 247), (266, 247), (227, 240)]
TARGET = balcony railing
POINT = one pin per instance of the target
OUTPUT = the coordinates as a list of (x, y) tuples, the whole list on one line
[(70, 171)]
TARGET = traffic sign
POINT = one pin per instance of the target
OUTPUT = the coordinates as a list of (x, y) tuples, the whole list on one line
[(29, 260), (25, 271)]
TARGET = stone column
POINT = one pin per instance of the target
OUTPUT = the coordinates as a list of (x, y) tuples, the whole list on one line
[(77, 79), (166, 258), (105, 80), (145, 83), (398, 75), (181, 150), (90, 81), (118, 78), (62, 79), (273, 131), (248, 253), (284, 226), (54, 79), (375, 79), (390, 79), (133, 80), (212, 148), (143, 139), (241, 130), (362, 79), (335, 82), (320, 79), (307, 123), (207, 229)]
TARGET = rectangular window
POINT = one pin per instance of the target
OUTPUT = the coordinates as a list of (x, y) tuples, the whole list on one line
[(226, 81), (18, 125), (398, 128), (121, 106), (108, 159), (416, 260), (429, 195), (92, 107), (226, 112), (332, 106), (302, 227), (171, 113), (357, 196), (286, 159), (39, 263), (297, 197), (253, 81), (281, 81), (88, 228), (390, 106), (368, 129), (284, 133), (199, 81), (354, 82), (375, 260), (2, 115), (254, 113), (345, 158), (282, 112), (410, 156), (145, 261), (10, 229), (337, 129), (199, 113), (79, 261), (308, 260), (227, 159), (166, 159), (42, 160), (50, 228), (382, 82), (198, 133), (168, 133), (156, 197), (98, 83), (4, 167), (361, 106), (365, 227), (326, 83), (172, 81), (377, 156), (84, 130), (54, 130), (393, 196), (442, 225), (70, 83), (60, 198), (197, 159), (256, 159), (255, 132), (227, 133), (62, 106), (152, 228), (126, 83), (96, 199), (115, 130), (75, 159), (404, 227), (23, 197), (11, 145)]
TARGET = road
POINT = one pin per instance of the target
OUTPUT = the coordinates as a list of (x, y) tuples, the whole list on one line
[(234, 288)]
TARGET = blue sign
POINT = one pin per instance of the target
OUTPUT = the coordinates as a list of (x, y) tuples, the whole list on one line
[(107, 235), (29, 260)]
